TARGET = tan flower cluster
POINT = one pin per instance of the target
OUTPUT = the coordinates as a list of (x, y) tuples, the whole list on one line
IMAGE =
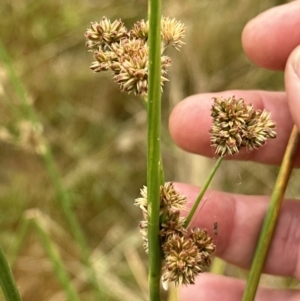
[(126, 53), (185, 253), (237, 125)]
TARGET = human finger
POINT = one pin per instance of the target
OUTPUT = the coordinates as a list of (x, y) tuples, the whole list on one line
[(214, 288), (190, 123), (269, 38), (239, 219), (292, 85)]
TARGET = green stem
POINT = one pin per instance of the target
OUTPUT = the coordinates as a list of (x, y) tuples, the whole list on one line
[(202, 192), (154, 153), (57, 263), (272, 215), (66, 204), (61, 193), (161, 167), (19, 238), (17, 85), (7, 281)]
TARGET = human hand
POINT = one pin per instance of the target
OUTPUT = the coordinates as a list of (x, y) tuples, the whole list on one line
[(270, 41)]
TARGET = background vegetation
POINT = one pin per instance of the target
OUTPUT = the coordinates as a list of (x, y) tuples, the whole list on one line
[(97, 136)]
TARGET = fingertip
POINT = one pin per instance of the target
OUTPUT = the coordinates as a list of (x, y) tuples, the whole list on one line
[(292, 84), (190, 121), (189, 124), (269, 38), (212, 287), (215, 287)]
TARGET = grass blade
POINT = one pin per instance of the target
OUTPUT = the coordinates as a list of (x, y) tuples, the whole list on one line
[(7, 281)]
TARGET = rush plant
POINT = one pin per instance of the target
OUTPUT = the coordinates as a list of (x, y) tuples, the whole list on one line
[(136, 57)]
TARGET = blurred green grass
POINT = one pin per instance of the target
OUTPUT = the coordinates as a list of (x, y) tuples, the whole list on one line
[(97, 133)]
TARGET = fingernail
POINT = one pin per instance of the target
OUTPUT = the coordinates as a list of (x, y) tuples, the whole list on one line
[(292, 84), (296, 61)]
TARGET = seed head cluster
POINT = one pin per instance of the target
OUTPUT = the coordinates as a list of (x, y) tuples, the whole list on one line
[(126, 52), (185, 253), (237, 125)]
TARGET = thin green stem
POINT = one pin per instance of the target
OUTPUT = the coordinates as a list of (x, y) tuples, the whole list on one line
[(7, 281), (18, 241), (161, 167), (66, 204), (202, 192), (272, 215), (61, 193), (57, 263), (154, 153), (17, 85)]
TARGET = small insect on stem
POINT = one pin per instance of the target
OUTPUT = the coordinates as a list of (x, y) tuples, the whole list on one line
[(216, 228)]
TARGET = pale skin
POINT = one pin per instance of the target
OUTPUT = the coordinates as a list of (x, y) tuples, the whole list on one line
[(271, 41)]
